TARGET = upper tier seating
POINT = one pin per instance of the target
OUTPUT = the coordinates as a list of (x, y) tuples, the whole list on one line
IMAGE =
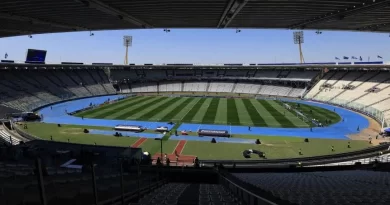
[(185, 74), (328, 188)]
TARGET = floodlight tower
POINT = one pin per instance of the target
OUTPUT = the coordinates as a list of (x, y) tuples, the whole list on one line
[(127, 41), (298, 39)]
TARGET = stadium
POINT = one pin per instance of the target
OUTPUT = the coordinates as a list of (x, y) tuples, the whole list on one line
[(182, 133)]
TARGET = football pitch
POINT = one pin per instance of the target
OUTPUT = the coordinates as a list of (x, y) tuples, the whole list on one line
[(225, 111), (228, 111)]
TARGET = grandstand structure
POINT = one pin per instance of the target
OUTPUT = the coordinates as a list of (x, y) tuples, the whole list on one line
[(361, 87), (21, 17), (25, 90), (332, 187), (45, 172), (366, 91)]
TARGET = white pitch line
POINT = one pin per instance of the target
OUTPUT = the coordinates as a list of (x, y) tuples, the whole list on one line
[(190, 109)]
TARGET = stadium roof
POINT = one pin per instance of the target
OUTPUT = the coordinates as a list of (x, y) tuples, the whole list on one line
[(25, 17)]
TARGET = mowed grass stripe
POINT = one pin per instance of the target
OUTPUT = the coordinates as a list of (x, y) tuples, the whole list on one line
[(232, 114), (290, 116), (211, 112), (198, 118), (320, 114), (113, 113), (103, 108), (283, 121), (163, 105), (159, 115), (243, 114), (169, 116), (330, 115), (188, 117), (269, 119), (117, 108), (221, 116), (131, 112), (132, 107), (253, 114), (180, 115)]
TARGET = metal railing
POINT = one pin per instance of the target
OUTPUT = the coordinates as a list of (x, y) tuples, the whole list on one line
[(364, 109)]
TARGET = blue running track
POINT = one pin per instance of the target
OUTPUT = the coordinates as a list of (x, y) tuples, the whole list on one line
[(339, 130), (58, 114)]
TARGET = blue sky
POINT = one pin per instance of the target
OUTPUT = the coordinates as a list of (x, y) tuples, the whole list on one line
[(207, 46)]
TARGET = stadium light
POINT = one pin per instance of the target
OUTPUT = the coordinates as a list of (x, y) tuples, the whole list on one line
[(127, 42), (298, 39)]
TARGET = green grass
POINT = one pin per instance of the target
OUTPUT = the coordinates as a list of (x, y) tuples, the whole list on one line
[(254, 114), (280, 117), (232, 113), (318, 113), (211, 112), (273, 146), (75, 134), (170, 115), (228, 111), (188, 117)]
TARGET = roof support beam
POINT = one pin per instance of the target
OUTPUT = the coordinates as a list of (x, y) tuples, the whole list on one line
[(231, 10), (374, 26), (98, 5), (346, 12), (39, 21)]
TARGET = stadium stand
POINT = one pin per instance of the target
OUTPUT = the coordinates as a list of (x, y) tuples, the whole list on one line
[(170, 87), (220, 87), (337, 187), (179, 193), (7, 138), (368, 92), (144, 87), (195, 87), (27, 89), (286, 83), (250, 88)]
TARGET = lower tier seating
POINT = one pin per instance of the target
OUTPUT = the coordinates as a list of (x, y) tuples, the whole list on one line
[(327, 188)]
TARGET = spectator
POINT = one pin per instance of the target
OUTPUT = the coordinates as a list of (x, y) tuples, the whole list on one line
[(158, 163), (168, 162)]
